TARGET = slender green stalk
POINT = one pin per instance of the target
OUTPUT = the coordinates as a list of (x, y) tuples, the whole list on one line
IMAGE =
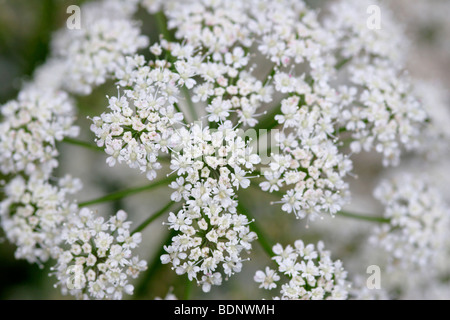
[(342, 63), (187, 289), (346, 214), (83, 144), (190, 104), (270, 76), (153, 266), (153, 217), (362, 217), (161, 21), (268, 122), (254, 226), (127, 192), (177, 107)]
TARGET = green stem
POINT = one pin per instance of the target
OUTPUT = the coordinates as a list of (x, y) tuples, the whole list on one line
[(346, 214), (127, 192), (342, 63), (152, 218), (362, 217), (161, 21), (83, 144), (153, 266), (190, 104), (269, 76), (265, 244), (187, 289), (268, 122)]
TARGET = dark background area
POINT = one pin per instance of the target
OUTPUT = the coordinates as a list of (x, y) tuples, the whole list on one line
[(26, 27)]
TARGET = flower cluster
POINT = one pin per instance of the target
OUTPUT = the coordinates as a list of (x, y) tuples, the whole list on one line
[(380, 109), (221, 154), (286, 30), (31, 126), (309, 161), (89, 56), (436, 134), (98, 261), (386, 115), (32, 215), (211, 234), (349, 22), (237, 36), (208, 244), (286, 42), (419, 221), (320, 85), (142, 121), (311, 272)]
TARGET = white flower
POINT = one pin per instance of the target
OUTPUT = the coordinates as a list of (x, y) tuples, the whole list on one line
[(267, 278), (107, 268), (313, 277), (137, 136), (381, 110), (210, 232), (31, 127), (94, 53), (418, 220), (32, 215)]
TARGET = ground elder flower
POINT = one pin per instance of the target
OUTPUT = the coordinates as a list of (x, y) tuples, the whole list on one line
[(212, 165), (311, 272), (436, 134), (307, 85), (32, 215), (288, 36), (309, 164), (91, 54), (141, 121), (98, 261), (389, 115), (382, 113), (32, 125), (418, 221), (209, 243)]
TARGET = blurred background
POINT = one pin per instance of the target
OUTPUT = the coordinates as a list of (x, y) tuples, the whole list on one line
[(26, 28)]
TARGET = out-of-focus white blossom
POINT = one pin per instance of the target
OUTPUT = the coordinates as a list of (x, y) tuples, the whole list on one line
[(32, 125), (90, 56), (419, 221), (383, 114)]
